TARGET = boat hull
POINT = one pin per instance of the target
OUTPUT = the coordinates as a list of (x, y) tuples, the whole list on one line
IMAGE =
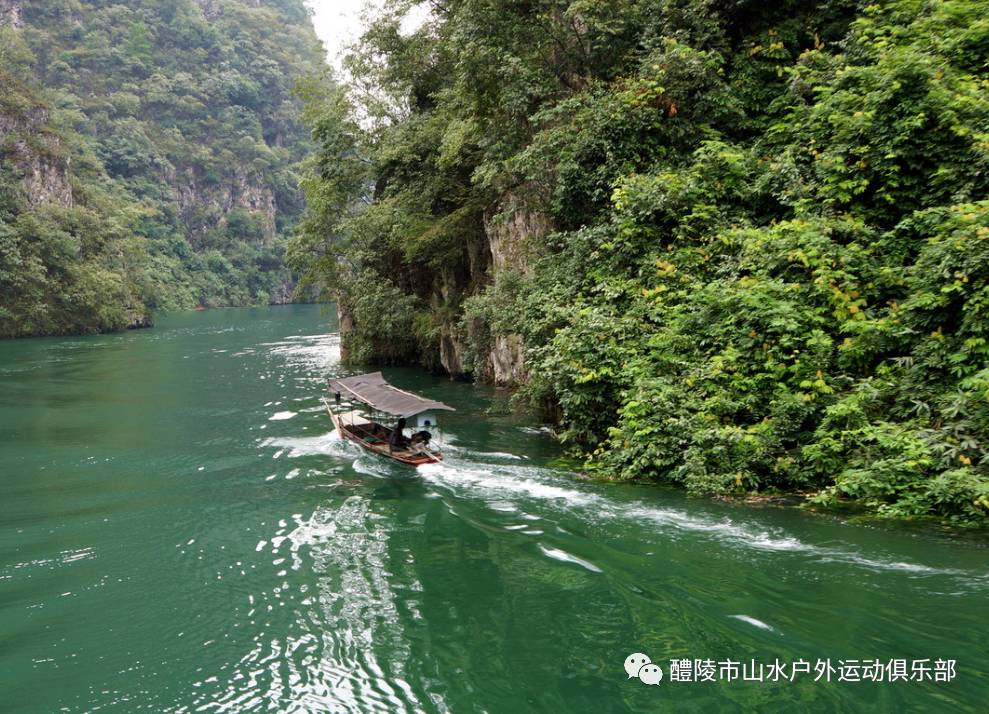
[(381, 447)]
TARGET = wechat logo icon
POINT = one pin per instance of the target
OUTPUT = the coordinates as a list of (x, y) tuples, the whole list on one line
[(639, 666)]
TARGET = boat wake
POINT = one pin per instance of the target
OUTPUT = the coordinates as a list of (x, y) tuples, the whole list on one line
[(514, 489), (312, 354), (330, 663)]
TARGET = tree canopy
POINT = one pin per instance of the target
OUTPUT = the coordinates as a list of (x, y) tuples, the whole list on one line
[(765, 264)]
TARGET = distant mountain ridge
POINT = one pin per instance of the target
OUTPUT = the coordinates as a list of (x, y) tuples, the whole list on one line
[(148, 156)]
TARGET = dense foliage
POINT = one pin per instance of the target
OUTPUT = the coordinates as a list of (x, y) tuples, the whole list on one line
[(149, 154), (770, 263)]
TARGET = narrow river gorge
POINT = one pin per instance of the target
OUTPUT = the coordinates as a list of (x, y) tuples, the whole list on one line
[(180, 530)]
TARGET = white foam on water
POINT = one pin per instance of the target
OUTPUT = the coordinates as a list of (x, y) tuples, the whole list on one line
[(502, 455), (314, 353), (833, 555), (71, 556), (518, 481), (724, 529), (778, 541), (565, 557), (501, 486), (754, 622), (487, 455), (345, 547), (66, 557), (328, 444), (371, 466), (281, 416), (536, 429)]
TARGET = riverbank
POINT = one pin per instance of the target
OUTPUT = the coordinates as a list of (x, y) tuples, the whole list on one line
[(812, 501), (145, 319), (821, 498)]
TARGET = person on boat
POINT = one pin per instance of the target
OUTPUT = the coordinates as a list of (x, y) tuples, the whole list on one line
[(397, 441)]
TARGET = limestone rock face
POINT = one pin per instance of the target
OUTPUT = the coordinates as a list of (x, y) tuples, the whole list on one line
[(513, 235), (11, 13), (451, 352), (283, 294), (346, 321), (507, 242), (138, 318), (510, 238), (206, 206), (39, 155), (211, 9), (507, 365)]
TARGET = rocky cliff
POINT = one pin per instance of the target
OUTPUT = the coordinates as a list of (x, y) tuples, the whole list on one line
[(36, 152), (62, 267), (507, 244), (11, 13), (181, 119)]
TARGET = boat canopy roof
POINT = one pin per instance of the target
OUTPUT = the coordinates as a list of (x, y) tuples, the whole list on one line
[(373, 390)]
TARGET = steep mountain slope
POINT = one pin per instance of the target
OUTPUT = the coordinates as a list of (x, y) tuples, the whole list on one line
[(149, 153)]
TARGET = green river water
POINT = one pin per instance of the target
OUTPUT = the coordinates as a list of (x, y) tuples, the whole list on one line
[(180, 531)]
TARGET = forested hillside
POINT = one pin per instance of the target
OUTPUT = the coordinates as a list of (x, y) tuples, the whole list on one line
[(149, 154), (739, 246)]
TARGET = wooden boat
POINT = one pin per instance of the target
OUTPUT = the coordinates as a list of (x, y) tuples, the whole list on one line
[(385, 402)]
